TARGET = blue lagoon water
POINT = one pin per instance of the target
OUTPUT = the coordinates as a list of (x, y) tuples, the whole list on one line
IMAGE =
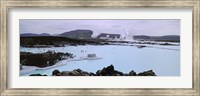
[(163, 60)]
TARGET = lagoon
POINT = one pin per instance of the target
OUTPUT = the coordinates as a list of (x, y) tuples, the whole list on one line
[(163, 60)]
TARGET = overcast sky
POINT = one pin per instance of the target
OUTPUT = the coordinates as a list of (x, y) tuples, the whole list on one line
[(132, 27)]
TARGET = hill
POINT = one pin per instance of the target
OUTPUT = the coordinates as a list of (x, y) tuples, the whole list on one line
[(79, 33), (167, 38), (32, 34)]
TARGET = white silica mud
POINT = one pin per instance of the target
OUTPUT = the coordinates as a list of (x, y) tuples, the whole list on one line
[(163, 60)]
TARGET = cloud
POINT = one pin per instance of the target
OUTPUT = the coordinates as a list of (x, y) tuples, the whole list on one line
[(134, 26)]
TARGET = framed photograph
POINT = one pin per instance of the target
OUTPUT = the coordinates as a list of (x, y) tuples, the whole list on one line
[(103, 47)]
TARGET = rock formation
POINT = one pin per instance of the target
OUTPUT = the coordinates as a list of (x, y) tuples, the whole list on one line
[(42, 59), (106, 71)]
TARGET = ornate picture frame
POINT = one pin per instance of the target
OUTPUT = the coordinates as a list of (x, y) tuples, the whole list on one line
[(4, 49)]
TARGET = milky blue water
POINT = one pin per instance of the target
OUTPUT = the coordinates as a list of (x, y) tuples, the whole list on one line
[(163, 60)]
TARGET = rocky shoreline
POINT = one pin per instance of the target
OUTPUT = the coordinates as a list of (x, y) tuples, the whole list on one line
[(53, 41), (106, 71), (42, 60)]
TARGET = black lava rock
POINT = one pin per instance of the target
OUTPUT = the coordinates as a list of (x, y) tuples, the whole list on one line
[(147, 73), (37, 75)]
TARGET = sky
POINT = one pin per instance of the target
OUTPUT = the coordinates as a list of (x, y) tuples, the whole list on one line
[(131, 27)]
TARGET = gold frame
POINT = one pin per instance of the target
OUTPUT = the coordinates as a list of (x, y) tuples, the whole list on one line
[(6, 4)]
